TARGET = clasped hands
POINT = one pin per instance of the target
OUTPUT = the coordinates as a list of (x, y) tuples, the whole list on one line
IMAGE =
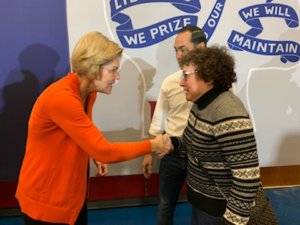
[(161, 145)]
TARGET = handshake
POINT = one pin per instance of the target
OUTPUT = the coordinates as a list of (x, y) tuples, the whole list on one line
[(161, 145)]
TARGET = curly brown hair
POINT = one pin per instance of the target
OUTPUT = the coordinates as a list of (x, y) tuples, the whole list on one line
[(214, 64)]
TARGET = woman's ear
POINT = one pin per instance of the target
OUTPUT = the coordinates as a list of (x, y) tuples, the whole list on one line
[(201, 45), (210, 83)]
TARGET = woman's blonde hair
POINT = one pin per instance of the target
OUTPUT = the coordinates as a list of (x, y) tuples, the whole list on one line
[(91, 52)]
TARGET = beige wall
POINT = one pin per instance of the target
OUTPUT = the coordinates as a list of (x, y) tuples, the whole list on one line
[(268, 87)]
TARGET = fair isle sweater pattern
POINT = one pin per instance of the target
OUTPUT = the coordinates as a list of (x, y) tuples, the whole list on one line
[(220, 135)]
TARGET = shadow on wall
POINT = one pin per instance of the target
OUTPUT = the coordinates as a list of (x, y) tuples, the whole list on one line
[(37, 64), (289, 149), (125, 114), (274, 91)]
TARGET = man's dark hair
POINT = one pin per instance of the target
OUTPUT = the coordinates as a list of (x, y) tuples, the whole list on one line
[(198, 35)]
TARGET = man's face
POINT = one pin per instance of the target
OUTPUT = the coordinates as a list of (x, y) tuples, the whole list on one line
[(183, 45)]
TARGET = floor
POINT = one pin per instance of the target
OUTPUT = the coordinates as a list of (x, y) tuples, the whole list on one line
[(285, 201)]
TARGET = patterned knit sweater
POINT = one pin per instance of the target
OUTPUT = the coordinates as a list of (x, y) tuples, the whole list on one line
[(219, 135)]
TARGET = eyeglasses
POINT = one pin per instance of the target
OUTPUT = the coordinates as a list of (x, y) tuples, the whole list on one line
[(186, 74), (114, 71)]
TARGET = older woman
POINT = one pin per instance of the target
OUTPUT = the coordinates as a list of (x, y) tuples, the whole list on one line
[(223, 171), (61, 137)]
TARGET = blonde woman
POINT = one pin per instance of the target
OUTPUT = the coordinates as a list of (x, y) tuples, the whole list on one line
[(61, 137)]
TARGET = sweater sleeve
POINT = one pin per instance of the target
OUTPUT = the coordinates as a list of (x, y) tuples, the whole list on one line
[(68, 113), (236, 139)]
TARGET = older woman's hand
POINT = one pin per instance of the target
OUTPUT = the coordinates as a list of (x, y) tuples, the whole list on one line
[(161, 145)]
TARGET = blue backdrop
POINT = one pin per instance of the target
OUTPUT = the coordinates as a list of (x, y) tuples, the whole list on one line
[(33, 53)]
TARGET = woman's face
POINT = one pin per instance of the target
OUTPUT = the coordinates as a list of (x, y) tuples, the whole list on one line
[(109, 74), (193, 86)]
